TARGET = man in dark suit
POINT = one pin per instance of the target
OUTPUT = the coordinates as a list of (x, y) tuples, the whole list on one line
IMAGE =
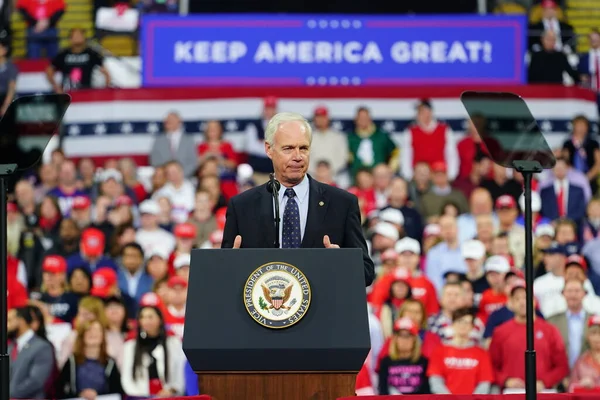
[(565, 35), (589, 64), (31, 357), (313, 215), (563, 199)]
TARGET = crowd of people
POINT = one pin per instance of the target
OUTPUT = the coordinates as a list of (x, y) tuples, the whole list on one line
[(100, 259)]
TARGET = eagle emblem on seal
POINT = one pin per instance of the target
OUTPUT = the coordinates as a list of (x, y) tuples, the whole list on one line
[(277, 295)]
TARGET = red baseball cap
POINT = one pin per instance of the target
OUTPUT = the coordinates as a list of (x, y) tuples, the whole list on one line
[(103, 281), (175, 281), (123, 200), (321, 111), (151, 299), (185, 230), (439, 166), (594, 320), (11, 207), (54, 264), (518, 284), (81, 203), (221, 216), (506, 201), (406, 324), (92, 242), (576, 259), (270, 101)]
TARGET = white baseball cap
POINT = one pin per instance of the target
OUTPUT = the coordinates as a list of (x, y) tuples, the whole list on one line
[(392, 215), (182, 260), (386, 229), (473, 249), (536, 202), (497, 264), (408, 244), (149, 207), (544, 230), (158, 252), (112, 173)]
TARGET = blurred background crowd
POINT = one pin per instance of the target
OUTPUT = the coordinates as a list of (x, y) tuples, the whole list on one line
[(100, 251)]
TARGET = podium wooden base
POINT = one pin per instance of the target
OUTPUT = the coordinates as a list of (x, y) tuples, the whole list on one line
[(277, 386)]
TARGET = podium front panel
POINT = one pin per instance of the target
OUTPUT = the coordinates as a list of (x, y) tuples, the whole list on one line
[(331, 335)]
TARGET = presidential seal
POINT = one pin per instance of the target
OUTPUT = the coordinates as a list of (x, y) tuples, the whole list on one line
[(277, 295)]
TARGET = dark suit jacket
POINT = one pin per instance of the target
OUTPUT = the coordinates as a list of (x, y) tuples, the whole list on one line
[(31, 369), (575, 203), (250, 215)]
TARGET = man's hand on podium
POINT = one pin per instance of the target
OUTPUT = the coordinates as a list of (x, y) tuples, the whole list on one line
[(237, 242), (327, 243)]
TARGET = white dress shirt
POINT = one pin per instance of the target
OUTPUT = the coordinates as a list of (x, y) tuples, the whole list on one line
[(24, 339), (301, 198), (175, 139), (575, 327)]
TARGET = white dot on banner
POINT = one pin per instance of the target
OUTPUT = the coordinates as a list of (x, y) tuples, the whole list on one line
[(356, 80), (345, 24), (356, 24), (322, 80), (310, 80), (323, 23), (334, 24), (311, 23), (333, 80)]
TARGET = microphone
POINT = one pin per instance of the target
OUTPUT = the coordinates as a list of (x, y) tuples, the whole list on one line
[(273, 187)]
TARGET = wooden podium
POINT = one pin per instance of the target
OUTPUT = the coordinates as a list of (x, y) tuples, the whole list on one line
[(288, 386), (243, 348)]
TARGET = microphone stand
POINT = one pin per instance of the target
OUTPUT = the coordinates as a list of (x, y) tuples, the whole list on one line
[(273, 187)]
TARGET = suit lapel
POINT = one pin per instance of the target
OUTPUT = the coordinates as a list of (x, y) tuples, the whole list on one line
[(317, 208), (264, 203)]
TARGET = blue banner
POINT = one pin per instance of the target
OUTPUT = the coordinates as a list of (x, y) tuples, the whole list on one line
[(261, 50)]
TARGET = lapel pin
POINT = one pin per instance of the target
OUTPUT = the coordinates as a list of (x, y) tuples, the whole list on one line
[(321, 203)]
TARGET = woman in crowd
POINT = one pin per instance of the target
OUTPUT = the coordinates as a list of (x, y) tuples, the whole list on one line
[(90, 309), (50, 217), (403, 371), (459, 367), (89, 371), (55, 294), (80, 282), (586, 371), (157, 265), (117, 326), (153, 362), (214, 146), (399, 292)]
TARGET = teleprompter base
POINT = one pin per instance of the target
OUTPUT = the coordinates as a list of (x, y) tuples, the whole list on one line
[(277, 386)]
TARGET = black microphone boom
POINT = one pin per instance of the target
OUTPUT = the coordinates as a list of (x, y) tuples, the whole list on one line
[(273, 187)]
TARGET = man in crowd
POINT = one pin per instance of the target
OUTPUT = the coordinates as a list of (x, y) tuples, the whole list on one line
[(327, 144), (174, 145), (76, 64), (428, 141), (445, 256), (508, 341), (31, 357)]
